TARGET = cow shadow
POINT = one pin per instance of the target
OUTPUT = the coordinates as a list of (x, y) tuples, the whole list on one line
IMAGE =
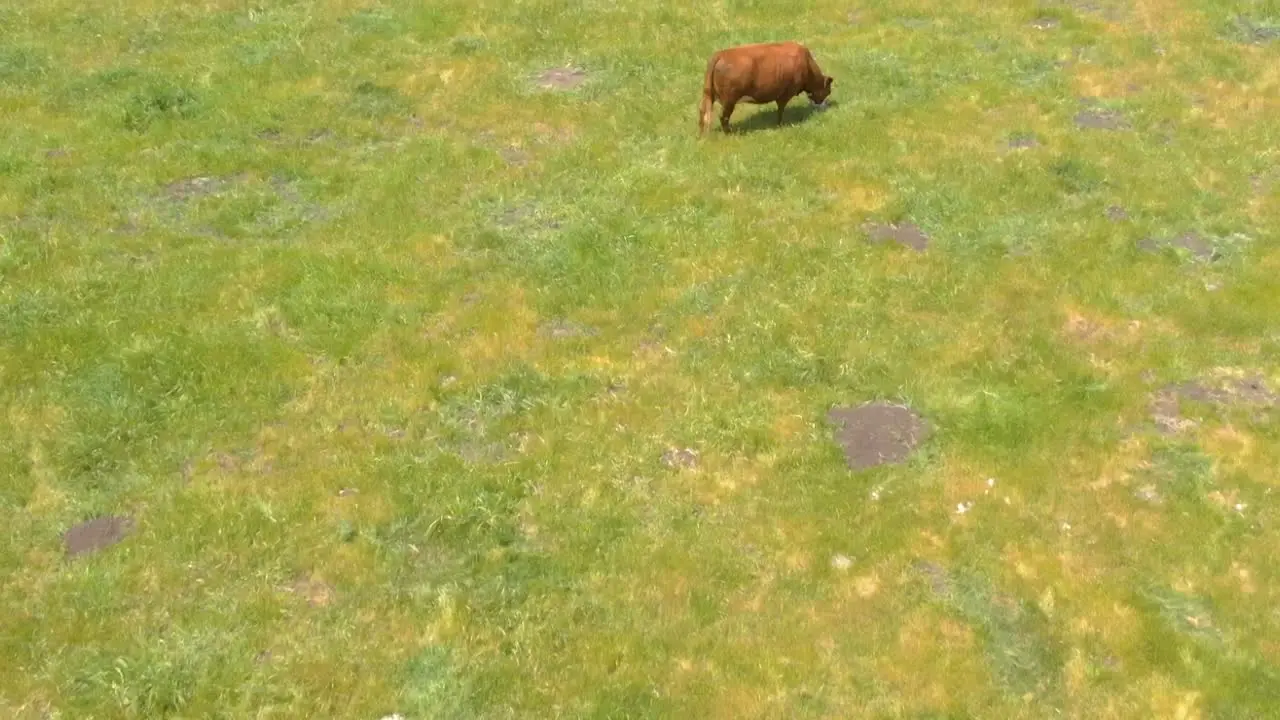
[(766, 117)]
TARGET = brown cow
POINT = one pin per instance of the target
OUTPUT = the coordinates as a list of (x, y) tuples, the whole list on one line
[(761, 73)]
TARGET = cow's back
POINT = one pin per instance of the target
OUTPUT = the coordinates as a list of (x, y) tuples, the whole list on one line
[(762, 71)]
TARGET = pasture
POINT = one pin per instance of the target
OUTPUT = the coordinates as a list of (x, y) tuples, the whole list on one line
[(374, 357)]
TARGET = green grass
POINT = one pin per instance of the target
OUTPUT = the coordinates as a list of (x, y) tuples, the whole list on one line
[(382, 345)]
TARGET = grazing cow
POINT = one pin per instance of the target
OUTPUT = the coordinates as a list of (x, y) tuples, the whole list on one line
[(761, 73)]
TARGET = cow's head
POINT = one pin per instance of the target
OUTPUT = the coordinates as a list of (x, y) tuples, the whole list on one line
[(819, 95)]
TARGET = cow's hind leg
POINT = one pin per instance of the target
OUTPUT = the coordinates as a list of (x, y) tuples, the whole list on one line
[(726, 109), (704, 112)]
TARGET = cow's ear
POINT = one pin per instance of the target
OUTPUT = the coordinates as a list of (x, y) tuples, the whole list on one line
[(829, 81)]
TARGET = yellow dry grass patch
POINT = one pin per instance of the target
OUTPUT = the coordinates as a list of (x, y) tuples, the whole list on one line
[(505, 330), (1093, 327), (861, 199), (1109, 341), (757, 597), (1100, 618), (1165, 17), (1229, 105), (1080, 569), (739, 700), (1118, 467), (1233, 449), (26, 423), (970, 342), (789, 428), (1101, 82), (1263, 208), (964, 480), (980, 143), (722, 480), (363, 509), (47, 499), (857, 196), (436, 252), (1169, 700), (933, 658)]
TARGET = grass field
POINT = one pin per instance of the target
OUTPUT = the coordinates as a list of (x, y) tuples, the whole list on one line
[(418, 387)]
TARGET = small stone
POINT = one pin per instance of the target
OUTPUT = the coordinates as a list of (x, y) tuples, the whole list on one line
[(962, 508), (841, 562)]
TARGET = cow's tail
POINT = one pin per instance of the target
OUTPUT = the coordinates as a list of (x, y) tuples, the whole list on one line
[(708, 95)]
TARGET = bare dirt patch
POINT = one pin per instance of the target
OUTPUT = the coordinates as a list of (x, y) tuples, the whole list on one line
[(291, 197), (96, 534), (561, 329), (243, 461), (1166, 406), (1115, 213), (315, 592), (1022, 142), (877, 433), (201, 186), (549, 135), (525, 215), (936, 576), (1083, 329), (1190, 242), (192, 199), (561, 78), (1045, 22), (1261, 183), (1106, 10), (906, 234), (1093, 118), (680, 459), (1251, 32), (514, 156), (481, 452)]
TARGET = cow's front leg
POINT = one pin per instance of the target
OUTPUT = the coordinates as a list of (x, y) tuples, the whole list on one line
[(782, 106)]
